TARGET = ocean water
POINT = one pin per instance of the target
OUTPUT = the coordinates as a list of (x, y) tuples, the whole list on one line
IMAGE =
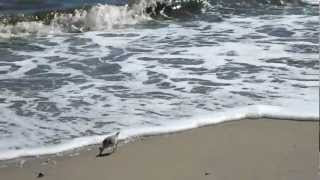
[(72, 73)]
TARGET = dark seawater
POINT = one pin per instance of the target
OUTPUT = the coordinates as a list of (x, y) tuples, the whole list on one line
[(49, 5), (71, 69)]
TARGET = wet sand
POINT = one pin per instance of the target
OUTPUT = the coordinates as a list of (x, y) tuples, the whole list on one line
[(245, 150)]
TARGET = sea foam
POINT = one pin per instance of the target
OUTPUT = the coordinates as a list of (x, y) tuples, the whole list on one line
[(301, 113), (59, 91)]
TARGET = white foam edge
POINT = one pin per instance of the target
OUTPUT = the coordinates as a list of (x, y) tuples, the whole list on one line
[(311, 2), (310, 113)]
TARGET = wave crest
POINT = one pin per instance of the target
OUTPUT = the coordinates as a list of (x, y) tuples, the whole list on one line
[(106, 17), (98, 17)]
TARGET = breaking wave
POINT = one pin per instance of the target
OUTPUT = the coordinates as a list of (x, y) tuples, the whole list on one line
[(108, 16), (97, 17)]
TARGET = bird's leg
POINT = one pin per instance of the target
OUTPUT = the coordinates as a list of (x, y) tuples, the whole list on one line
[(114, 148), (100, 151)]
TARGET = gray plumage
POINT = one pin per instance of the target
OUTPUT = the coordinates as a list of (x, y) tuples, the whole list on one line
[(111, 141)]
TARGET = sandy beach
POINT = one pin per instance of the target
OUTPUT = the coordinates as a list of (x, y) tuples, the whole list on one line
[(254, 149)]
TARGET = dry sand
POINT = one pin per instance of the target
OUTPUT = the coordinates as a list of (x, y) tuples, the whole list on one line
[(240, 150)]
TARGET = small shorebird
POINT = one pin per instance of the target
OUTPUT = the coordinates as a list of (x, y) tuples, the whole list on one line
[(111, 141)]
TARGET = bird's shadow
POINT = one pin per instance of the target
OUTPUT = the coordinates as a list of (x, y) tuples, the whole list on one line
[(103, 155)]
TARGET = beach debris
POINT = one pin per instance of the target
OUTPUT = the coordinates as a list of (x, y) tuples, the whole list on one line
[(40, 175), (111, 141), (207, 173)]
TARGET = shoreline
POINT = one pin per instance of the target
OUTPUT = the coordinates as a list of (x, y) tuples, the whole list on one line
[(292, 144), (310, 113)]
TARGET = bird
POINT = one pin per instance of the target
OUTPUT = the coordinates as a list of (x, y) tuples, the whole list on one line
[(111, 141), (40, 175)]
